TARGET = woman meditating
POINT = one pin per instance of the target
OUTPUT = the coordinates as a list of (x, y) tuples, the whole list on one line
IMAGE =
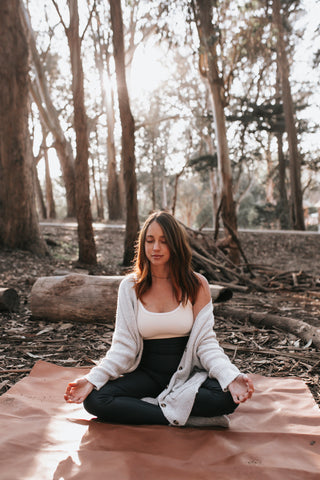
[(165, 365)]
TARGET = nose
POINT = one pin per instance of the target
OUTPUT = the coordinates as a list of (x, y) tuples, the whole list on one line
[(156, 245)]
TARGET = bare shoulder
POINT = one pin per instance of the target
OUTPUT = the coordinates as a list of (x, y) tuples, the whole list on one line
[(203, 296), (204, 285)]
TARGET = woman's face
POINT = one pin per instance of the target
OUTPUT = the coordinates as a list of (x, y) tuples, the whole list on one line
[(156, 247)]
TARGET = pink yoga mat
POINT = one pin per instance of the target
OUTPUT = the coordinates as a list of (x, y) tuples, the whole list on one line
[(274, 436)]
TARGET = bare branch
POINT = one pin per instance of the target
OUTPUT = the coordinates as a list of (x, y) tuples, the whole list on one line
[(59, 14), (89, 20)]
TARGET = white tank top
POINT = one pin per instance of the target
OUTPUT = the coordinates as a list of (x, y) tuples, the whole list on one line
[(177, 323)]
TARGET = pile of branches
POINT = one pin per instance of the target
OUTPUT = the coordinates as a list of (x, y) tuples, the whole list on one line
[(210, 257)]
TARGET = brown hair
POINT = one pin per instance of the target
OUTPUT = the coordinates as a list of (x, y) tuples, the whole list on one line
[(183, 278)]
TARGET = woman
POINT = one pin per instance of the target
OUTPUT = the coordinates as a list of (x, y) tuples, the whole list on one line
[(165, 365)]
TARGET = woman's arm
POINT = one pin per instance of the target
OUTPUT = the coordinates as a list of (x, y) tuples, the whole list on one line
[(121, 357), (126, 347), (213, 357)]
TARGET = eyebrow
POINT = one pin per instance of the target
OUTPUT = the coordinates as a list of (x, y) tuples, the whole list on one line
[(152, 236)]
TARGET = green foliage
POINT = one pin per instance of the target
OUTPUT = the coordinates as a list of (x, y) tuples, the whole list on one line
[(205, 217), (204, 162), (264, 116), (255, 212)]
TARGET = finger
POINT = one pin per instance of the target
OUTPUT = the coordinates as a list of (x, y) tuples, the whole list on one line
[(235, 399), (250, 393), (249, 384), (70, 386), (68, 391), (243, 398)]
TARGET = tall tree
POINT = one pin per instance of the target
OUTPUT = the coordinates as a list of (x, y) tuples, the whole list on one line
[(294, 155), (19, 226), (50, 117), (208, 47), (128, 140), (87, 248), (102, 59), (283, 204), (51, 208)]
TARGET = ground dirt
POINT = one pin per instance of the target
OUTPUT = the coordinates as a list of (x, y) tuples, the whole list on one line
[(270, 352)]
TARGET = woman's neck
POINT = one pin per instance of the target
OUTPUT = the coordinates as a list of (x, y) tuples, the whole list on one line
[(160, 274)]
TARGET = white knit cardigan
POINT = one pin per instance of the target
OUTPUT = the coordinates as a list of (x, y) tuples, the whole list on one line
[(202, 357)]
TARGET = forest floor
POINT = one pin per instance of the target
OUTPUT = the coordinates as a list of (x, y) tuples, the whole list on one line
[(265, 351)]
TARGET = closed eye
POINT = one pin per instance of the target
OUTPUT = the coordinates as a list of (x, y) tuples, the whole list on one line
[(151, 240)]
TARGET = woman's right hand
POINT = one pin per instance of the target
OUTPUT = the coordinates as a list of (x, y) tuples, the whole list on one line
[(77, 391)]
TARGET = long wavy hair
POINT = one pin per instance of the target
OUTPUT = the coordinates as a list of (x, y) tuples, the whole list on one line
[(185, 282)]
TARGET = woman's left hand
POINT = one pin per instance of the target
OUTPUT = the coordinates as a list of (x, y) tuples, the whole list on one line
[(241, 388)]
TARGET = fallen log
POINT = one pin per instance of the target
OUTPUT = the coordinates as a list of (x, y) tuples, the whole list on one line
[(9, 300), (86, 298), (301, 329)]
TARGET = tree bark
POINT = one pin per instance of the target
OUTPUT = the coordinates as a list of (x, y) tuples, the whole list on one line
[(128, 141), (208, 41), (294, 156), (39, 194), (86, 298), (19, 226), (9, 300), (41, 96), (283, 205), (115, 203), (87, 248), (115, 210), (50, 204)]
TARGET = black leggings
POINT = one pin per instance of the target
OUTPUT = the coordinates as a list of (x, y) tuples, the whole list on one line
[(119, 401)]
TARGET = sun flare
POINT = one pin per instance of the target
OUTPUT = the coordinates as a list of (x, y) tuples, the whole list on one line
[(148, 70)]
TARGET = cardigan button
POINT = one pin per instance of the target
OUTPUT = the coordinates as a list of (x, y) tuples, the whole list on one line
[(163, 405), (180, 368), (175, 422)]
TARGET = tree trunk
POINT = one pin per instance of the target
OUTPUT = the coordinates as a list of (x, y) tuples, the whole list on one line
[(213, 180), (86, 298), (87, 248), (203, 13), (127, 124), (153, 184), (115, 204), (41, 96), (50, 205), (294, 156), (19, 226), (283, 205), (9, 300), (115, 211), (284, 213), (175, 191), (269, 181), (39, 194)]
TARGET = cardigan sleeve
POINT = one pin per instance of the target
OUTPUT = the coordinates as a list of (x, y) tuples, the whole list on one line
[(212, 356), (126, 347)]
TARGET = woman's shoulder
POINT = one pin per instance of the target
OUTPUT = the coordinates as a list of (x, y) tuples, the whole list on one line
[(126, 287), (202, 281), (129, 280), (203, 295)]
